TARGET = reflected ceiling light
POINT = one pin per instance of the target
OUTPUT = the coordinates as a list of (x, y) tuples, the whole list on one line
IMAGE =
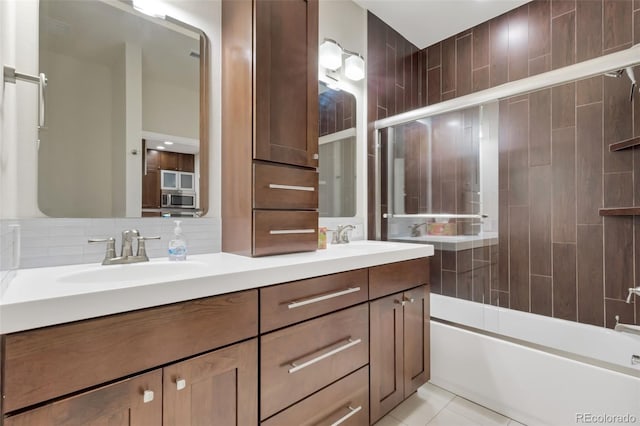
[(168, 143), (161, 147), (149, 7), (354, 67), (330, 54)]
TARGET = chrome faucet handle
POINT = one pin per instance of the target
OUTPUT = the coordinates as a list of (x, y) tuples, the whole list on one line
[(142, 250), (415, 228), (334, 235), (617, 317), (111, 247)]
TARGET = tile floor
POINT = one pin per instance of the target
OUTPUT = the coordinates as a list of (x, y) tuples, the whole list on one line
[(435, 406)]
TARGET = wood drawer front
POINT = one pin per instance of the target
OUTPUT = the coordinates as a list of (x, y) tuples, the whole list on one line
[(117, 403), (346, 400), (277, 232), (281, 187), (49, 362), (286, 304), (399, 276), (338, 343)]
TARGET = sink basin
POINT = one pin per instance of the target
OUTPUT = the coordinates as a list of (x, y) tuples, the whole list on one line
[(133, 272)]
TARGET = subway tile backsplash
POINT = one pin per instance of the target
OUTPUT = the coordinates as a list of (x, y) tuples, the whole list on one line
[(55, 242)]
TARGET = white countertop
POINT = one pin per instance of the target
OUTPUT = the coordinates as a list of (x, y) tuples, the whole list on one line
[(46, 296)]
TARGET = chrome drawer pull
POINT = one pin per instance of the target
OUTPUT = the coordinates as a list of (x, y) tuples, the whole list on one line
[(291, 231), (297, 367), (292, 187), (352, 411), (297, 304)]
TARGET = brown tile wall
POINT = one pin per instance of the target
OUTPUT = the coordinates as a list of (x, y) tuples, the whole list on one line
[(556, 255), (336, 112)]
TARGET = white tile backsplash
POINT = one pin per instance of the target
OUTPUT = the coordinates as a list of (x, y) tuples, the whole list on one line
[(54, 242)]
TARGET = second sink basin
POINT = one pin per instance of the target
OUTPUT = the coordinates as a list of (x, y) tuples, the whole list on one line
[(159, 270)]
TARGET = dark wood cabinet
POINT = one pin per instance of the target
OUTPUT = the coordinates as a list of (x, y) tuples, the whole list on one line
[(186, 162), (399, 359), (220, 387), (151, 194), (269, 122), (286, 82), (168, 160), (132, 402)]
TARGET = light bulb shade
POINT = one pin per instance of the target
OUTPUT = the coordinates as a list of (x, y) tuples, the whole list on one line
[(354, 68), (330, 55)]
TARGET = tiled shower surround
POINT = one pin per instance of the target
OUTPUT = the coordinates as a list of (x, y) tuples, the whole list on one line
[(556, 256)]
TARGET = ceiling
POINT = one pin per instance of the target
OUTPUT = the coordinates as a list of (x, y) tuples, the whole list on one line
[(425, 22)]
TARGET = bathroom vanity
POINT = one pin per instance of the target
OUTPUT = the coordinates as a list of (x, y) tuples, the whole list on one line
[(300, 338)]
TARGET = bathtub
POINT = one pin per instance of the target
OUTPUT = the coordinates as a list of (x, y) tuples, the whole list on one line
[(534, 369)]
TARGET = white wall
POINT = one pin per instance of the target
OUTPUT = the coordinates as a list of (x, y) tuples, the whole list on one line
[(346, 22), (170, 110), (77, 140)]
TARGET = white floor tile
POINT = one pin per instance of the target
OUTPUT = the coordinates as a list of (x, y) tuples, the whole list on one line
[(389, 421), (477, 413), (422, 406), (447, 417)]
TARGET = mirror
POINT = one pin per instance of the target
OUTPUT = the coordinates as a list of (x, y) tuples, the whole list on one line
[(126, 107), (443, 177), (337, 149)]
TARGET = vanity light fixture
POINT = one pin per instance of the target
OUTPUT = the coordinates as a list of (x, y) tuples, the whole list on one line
[(330, 54), (354, 67), (330, 57), (149, 7)]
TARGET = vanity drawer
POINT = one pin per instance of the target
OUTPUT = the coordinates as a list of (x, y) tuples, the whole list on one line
[(399, 276), (49, 362), (281, 187), (345, 402), (277, 232), (285, 304), (301, 359)]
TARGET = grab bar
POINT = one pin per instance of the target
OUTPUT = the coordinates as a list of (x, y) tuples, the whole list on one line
[(633, 329)]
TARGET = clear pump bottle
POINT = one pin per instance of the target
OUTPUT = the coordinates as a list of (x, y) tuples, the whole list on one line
[(178, 245)]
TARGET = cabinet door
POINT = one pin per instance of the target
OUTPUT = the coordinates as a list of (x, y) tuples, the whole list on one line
[(153, 159), (151, 189), (286, 81), (416, 338), (168, 160), (186, 163), (386, 358), (220, 387), (132, 402)]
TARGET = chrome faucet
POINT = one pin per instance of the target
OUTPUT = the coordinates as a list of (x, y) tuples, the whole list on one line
[(415, 228), (633, 291), (126, 252), (633, 329), (340, 235)]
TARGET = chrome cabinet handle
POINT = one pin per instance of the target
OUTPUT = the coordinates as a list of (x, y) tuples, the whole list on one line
[(147, 396), (291, 231), (408, 299), (181, 384), (297, 303), (399, 302), (297, 367), (352, 412), (291, 187)]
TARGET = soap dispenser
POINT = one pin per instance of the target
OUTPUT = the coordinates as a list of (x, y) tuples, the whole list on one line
[(177, 246)]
